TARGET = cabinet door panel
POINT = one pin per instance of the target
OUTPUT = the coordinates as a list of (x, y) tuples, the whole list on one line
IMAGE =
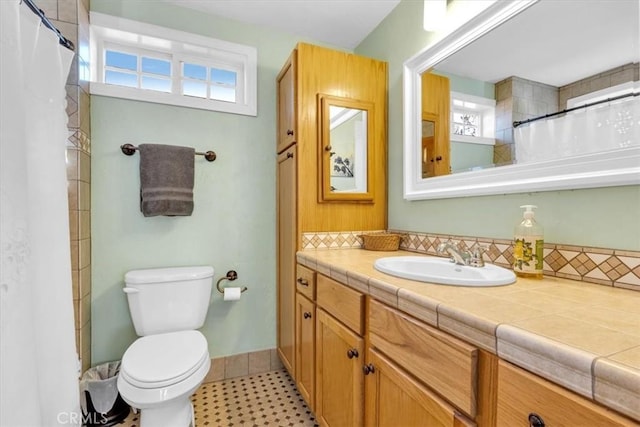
[(286, 254), (305, 348), (389, 388), (445, 363), (339, 385), (521, 393), (286, 81)]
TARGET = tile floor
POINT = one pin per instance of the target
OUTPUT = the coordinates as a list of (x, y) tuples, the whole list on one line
[(268, 399)]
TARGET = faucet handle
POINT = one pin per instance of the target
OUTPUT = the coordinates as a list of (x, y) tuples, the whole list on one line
[(476, 258)]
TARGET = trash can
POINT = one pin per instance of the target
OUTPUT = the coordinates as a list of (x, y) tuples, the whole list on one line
[(101, 403)]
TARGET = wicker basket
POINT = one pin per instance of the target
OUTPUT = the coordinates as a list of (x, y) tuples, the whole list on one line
[(381, 241)]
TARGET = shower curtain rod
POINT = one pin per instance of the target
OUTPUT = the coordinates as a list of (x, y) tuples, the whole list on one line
[(63, 40), (546, 116)]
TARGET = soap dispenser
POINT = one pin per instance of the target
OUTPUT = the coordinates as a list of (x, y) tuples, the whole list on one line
[(528, 246)]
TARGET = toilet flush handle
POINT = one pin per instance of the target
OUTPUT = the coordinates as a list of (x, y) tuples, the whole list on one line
[(130, 290)]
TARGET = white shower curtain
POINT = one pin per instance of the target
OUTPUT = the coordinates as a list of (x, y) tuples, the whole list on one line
[(608, 126), (38, 359)]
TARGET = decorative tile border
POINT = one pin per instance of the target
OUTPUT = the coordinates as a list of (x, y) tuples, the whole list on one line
[(334, 240), (609, 267)]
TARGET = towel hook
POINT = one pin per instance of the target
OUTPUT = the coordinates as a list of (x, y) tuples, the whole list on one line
[(231, 276)]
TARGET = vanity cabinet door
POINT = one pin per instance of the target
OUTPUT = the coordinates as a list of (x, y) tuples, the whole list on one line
[(286, 123), (305, 348), (286, 256), (525, 399), (393, 398), (339, 374)]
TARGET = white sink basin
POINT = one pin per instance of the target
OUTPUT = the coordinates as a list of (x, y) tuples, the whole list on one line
[(442, 271)]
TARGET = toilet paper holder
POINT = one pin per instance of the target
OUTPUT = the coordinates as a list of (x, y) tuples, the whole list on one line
[(231, 276)]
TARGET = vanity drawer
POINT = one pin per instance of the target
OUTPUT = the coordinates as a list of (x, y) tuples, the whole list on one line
[(444, 363), (521, 393), (306, 282), (343, 303)]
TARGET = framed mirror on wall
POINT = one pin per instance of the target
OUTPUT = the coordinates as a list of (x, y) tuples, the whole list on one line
[(497, 63), (345, 129)]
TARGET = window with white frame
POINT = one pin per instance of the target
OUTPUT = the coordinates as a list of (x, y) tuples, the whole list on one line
[(139, 61), (472, 119)]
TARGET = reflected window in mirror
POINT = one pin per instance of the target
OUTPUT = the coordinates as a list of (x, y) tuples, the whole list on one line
[(473, 124), (345, 129)]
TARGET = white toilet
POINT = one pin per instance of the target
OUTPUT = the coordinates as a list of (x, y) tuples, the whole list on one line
[(162, 369)]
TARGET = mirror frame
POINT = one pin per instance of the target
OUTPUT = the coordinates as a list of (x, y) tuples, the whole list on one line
[(324, 171), (606, 169)]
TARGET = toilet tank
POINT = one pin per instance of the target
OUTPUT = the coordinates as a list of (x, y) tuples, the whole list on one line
[(168, 299)]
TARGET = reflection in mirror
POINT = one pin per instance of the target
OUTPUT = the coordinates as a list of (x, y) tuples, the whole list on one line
[(344, 144), (501, 70), (428, 147), (348, 140)]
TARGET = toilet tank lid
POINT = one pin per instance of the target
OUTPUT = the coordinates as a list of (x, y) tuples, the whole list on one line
[(171, 274)]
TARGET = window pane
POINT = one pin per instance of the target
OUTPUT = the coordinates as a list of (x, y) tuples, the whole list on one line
[(194, 71), (470, 131), (156, 66), (121, 79), (191, 88), (472, 119), (223, 77), (153, 83), (223, 93), (121, 60), (458, 129)]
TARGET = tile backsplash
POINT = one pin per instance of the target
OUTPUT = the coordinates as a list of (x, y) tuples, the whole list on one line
[(609, 267)]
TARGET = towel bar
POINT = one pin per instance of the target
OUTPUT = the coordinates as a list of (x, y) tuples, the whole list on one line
[(130, 149)]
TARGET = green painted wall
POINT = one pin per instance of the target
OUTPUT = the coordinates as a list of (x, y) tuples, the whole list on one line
[(604, 217), (233, 223)]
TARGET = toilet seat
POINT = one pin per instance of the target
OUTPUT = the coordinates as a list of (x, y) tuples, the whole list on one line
[(161, 360)]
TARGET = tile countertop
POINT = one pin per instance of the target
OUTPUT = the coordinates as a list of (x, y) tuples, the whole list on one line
[(583, 336)]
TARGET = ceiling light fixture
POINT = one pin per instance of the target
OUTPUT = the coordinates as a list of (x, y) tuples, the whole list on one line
[(434, 14)]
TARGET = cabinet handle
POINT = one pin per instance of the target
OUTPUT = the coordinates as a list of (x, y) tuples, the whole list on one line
[(302, 281), (368, 369), (289, 155), (327, 148), (535, 420), (307, 315), (438, 158), (352, 353), (289, 132)]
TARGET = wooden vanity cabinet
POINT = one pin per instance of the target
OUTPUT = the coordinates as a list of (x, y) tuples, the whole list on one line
[(525, 399), (339, 355)]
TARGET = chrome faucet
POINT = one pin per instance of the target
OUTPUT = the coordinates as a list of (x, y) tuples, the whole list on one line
[(463, 257)]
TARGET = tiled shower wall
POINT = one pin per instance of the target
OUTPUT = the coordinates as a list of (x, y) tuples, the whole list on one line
[(71, 17), (519, 99), (613, 77)]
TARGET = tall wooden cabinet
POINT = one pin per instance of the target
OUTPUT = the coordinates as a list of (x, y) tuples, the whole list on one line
[(310, 73)]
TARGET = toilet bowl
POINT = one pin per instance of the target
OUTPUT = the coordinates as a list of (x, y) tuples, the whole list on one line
[(159, 373), (164, 367)]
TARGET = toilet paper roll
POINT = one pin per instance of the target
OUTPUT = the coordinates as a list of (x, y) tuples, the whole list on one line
[(232, 294)]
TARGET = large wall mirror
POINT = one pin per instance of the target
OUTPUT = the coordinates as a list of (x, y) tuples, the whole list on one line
[(517, 61), (345, 128)]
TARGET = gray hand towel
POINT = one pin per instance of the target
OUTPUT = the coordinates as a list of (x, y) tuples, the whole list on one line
[(166, 180)]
